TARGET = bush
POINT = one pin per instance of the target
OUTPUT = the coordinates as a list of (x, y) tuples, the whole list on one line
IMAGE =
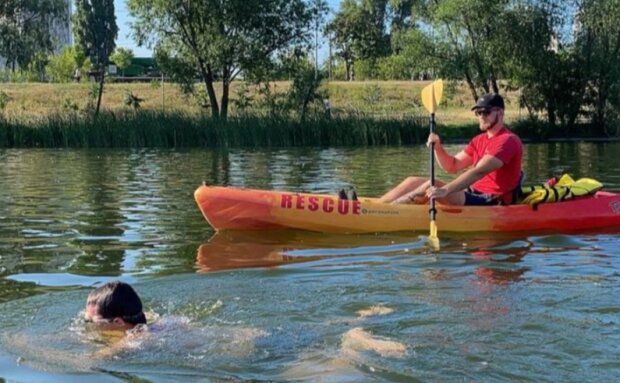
[(132, 100), (4, 100), (69, 105), (61, 67)]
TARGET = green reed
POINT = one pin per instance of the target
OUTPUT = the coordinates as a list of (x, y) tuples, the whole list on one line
[(147, 128), (177, 129)]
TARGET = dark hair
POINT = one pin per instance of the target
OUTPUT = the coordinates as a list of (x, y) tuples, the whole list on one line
[(117, 300)]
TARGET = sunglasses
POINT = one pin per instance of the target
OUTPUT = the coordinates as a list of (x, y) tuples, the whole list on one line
[(483, 112)]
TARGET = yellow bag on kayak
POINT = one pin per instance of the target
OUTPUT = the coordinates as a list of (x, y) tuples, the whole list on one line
[(565, 188)]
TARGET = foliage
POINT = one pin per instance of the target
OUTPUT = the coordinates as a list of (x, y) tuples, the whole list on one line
[(305, 86), (35, 71), (346, 30), (61, 67), (70, 105), (395, 67), (180, 69), (275, 103), (95, 32), (551, 79), (4, 100), (25, 29), (122, 58), (131, 100), (598, 44), (561, 57), (372, 94), (243, 100), (218, 40), (358, 31), (365, 69)]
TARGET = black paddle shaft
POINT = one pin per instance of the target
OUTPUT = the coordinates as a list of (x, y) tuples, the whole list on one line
[(433, 210)]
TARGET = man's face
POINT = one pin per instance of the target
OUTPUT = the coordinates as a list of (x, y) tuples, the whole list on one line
[(91, 315), (488, 118)]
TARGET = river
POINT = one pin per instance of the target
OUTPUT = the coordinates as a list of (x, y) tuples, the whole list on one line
[(292, 305)]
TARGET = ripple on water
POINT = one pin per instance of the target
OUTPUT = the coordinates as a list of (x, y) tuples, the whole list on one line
[(274, 305)]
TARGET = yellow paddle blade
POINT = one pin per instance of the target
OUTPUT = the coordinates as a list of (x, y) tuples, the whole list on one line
[(433, 241), (432, 94)]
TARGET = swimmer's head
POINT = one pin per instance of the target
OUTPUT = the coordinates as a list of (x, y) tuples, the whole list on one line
[(114, 304)]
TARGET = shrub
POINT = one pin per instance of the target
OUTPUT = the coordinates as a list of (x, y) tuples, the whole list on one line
[(4, 100)]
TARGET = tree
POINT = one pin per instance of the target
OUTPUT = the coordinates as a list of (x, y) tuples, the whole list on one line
[(122, 58), (61, 67), (346, 31), (25, 29), (598, 42), (95, 32), (220, 39), (464, 35), (305, 85), (549, 74), (401, 21)]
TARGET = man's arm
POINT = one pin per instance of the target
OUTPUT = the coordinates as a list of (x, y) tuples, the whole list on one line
[(452, 164), (486, 165), (449, 163)]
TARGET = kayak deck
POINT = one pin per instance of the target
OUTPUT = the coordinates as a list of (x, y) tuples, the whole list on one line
[(229, 208)]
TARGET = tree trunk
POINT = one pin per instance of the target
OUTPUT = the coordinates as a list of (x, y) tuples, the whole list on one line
[(225, 94), (476, 57), (100, 92), (347, 66), (306, 101), (472, 87), (485, 85), (494, 85), (207, 77)]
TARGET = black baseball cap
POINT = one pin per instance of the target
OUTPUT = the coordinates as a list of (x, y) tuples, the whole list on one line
[(488, 101)]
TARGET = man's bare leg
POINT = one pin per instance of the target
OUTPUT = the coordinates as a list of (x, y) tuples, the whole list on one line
[(418, 196), (408, 185)]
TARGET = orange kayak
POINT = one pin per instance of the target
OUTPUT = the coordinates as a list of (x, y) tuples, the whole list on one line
[(228, 208)]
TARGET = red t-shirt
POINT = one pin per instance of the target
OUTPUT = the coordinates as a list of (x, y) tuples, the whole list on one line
[(506, 147)]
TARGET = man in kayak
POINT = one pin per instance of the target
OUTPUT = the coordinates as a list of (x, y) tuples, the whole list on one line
[(492, 159), (115, 305)]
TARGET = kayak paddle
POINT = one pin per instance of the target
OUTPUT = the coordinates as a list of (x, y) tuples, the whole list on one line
[(431, 97)]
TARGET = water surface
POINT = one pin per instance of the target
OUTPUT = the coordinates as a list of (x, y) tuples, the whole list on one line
[(288, 305)]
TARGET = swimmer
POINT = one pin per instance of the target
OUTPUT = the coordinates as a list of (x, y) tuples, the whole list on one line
[(115, 305), (116, 312)]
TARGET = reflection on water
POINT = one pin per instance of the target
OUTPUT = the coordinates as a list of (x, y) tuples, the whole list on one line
[(240, 249), (294, 305)]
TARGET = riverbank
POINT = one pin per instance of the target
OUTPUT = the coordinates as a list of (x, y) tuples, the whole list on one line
[(377, 99), (60, 115)]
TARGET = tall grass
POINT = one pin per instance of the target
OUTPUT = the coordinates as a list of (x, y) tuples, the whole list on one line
[(177, 129), (148, 128)]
